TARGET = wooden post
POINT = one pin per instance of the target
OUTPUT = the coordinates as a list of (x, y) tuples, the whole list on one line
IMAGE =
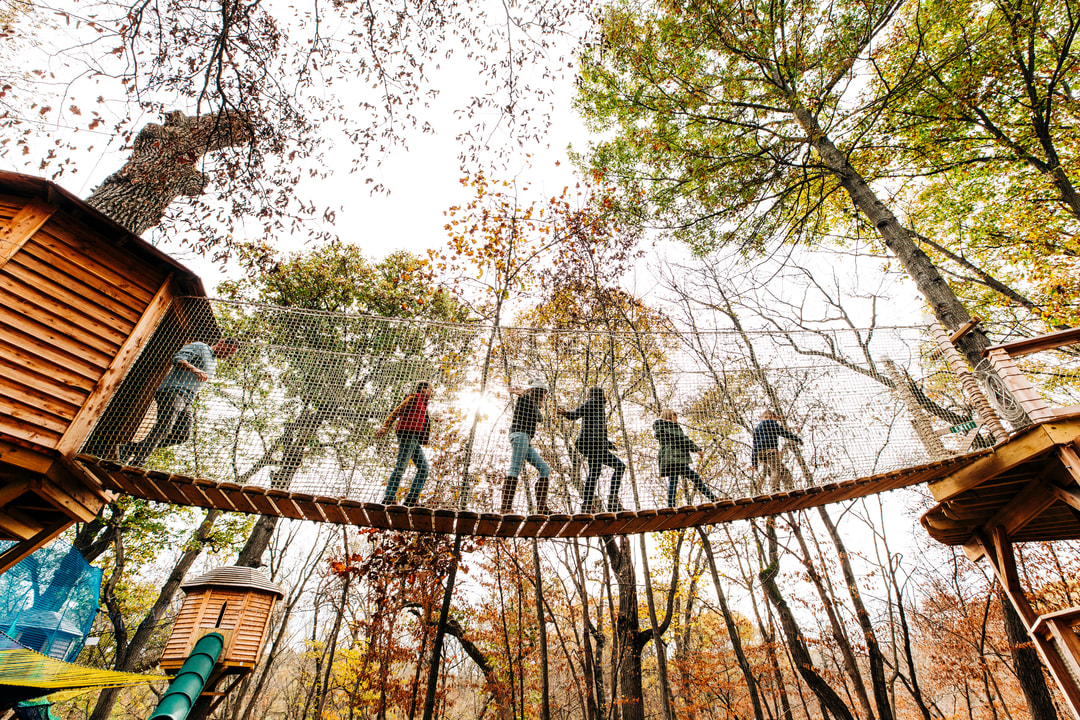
[(971, 388), (23, 549), (919, 421), (1062, 657)]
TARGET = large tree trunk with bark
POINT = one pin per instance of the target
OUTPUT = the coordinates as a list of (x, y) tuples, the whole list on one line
[(796, 642), (873, 648), (162, 167), (943, 302), (627, 630), (732, 630), (1026, 663)]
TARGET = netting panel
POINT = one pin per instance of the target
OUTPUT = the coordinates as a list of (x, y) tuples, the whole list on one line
[(298, 406), (48, 601)]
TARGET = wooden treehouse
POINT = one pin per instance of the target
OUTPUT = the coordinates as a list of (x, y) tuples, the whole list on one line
[(235, 601), (80, 298), (1027, 489)]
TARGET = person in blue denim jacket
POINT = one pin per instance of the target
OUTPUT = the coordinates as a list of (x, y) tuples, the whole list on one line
[(192, 367)]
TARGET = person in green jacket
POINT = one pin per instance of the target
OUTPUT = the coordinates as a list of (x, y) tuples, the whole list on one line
[(674, 457)]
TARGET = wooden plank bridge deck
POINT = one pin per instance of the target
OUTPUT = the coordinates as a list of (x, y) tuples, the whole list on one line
[(198, 492)]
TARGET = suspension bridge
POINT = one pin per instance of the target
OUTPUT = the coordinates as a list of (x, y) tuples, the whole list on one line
[(287, 425), (92, 319)]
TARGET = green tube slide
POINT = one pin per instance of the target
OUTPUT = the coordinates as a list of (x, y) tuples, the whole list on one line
[(191, 679)]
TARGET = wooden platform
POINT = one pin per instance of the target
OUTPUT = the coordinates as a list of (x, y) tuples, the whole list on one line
[(1025, 486), (183, 490)]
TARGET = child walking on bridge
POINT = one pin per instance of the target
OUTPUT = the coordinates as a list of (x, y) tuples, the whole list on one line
[(413, 426), (593, 443), (674, 456)]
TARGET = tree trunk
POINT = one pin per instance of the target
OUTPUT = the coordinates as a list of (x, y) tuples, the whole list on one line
[(627, 630), (545, 703), (257, 542), (943, 302), (162, 167), (851, 666), (733, 631), (873, 649), (796, 643), (657, 632), (453, 627), (1026, 663)]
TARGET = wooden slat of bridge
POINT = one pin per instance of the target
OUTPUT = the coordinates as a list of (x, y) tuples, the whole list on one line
[(199, 492)]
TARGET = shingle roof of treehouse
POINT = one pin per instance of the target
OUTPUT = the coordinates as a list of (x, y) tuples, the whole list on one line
[(287, 427)]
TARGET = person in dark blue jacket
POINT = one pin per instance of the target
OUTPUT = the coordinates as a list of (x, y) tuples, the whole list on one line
[(766, 450), (593, 443)]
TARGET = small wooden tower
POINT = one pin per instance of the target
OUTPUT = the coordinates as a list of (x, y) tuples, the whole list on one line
[(80, 299), (234, 601)]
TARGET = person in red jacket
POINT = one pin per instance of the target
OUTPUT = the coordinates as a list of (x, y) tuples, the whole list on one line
[(411, 430)]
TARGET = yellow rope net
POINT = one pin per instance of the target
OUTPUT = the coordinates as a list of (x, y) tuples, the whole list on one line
[(26, 668)]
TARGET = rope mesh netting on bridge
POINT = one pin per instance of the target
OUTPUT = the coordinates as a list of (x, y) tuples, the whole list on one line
[(298, 406)]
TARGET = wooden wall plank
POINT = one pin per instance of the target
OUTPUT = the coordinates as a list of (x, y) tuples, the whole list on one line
[(100, 323), (37, 397), (78, 294), (60, 374), (47, 354), (90, 243), (97, 355), (112, 377), (80, 269), (97, 335), (30, 415), (104, 268), (22, 227), (45, 384)]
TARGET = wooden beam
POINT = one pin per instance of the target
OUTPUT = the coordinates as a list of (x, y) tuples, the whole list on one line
[(23, 226), (1069, 616), (24, 458), (964, 329), (13, 490), (1066, 495), (22, 550), (1033, 442), (110, 380), (69, 491), (1049, 341), (1004, 563), (1024, 507), (18, 524)]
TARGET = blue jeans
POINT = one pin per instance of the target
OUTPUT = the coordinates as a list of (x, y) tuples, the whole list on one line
[(409, 448), (521, 450), (172, 427), (686, 472), (597, 461)]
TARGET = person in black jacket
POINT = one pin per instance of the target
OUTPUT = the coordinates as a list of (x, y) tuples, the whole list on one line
[(522, 428), (674, 456), (593, 443)]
